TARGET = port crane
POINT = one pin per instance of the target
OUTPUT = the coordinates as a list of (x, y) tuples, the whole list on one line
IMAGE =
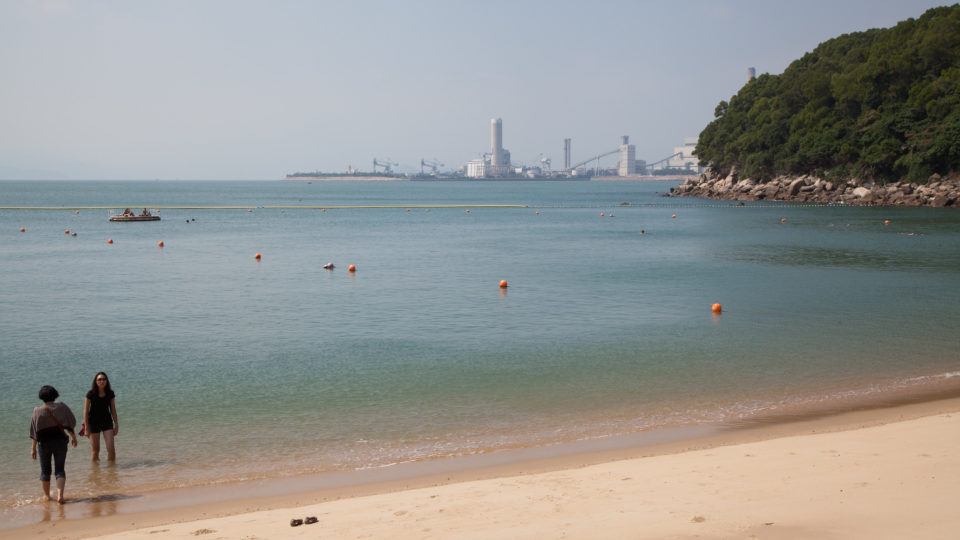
[(387, 165), (434, 165)]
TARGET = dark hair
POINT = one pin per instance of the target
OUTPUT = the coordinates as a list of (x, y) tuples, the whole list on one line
[(95, 389), (48, 393)]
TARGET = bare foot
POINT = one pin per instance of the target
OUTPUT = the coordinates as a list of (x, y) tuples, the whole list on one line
[(46, 497)]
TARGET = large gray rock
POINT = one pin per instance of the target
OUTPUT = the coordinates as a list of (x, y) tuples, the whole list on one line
[(940, 201), (795, 186)]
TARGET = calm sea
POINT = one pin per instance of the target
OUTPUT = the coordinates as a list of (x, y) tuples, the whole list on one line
[(226, 368)]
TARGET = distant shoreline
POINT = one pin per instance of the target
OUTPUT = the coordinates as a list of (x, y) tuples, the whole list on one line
[(650, 177), (346, 177)]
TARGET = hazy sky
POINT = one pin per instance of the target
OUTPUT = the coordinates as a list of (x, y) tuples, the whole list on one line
[(237, 89)]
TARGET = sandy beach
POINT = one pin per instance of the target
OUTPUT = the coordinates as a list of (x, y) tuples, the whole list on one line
[(885, 473)]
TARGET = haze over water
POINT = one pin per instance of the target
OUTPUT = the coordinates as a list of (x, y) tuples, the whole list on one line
[(226, 368)]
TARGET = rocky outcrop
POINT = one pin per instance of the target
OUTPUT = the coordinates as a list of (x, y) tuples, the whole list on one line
[(937, 192)]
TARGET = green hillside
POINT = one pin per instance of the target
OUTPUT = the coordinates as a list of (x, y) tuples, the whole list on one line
[(881, 105)]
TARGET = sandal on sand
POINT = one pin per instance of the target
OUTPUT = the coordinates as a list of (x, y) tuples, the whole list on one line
[(296, 522), (310, 519)]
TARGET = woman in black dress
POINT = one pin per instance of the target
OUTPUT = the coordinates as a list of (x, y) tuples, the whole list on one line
[(100, 416)]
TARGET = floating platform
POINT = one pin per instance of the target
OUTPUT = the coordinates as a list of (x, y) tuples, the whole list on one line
[(134, 218)]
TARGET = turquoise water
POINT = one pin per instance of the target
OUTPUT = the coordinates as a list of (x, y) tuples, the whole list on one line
[(226, 368)]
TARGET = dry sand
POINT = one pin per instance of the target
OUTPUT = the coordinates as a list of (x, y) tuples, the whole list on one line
[(891, 473)]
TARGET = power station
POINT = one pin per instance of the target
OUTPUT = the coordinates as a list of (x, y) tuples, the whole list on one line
[(496, 163)]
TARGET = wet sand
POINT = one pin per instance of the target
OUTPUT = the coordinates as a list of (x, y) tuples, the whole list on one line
[(889, 472)]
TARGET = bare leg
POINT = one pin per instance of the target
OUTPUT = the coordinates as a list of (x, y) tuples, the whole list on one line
[(108, 440), (46, 489), (61, 482), (94, 447)]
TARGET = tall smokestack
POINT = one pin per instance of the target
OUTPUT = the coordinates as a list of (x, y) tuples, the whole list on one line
[(566, 154), (496, 142)]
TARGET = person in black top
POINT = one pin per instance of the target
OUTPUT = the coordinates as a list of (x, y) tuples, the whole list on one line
[(48, 431), (100, 416)]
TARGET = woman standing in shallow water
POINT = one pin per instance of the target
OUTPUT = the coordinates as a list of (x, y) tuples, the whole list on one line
[(100, 416), (48, 430)]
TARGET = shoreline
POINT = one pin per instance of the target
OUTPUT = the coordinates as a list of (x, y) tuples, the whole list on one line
[(336, 178), (184, 506), (936, 193)]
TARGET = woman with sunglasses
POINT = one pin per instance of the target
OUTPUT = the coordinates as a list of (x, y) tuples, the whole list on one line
[(100, 416)]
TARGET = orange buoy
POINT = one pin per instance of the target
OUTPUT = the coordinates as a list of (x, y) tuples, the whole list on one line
[(257, 256), (160, 243), (23, 229), (468, 210), (109, 240), (783, 220), (66, 231), (717, 308), (352, 268), (503, 284), (601, 214), (674, 216), (78, 211), (886, 222), (538, 212)]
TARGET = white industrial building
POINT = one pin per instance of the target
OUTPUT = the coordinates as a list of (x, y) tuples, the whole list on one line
[(684, 157), (497, 162), (628, 157)]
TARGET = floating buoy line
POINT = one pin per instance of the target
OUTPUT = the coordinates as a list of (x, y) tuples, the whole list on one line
[(324, 208)]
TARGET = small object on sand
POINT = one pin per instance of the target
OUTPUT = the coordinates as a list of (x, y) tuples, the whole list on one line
[(296, 522), (329, 266), (311, 519)]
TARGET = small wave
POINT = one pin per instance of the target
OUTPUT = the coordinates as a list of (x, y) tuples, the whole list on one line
[(937, 377)]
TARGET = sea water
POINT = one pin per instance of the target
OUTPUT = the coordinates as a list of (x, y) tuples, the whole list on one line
[(228, 368)]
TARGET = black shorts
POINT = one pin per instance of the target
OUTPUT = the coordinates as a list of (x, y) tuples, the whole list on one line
[(98, 425)]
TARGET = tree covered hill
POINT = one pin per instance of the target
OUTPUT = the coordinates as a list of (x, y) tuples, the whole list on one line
[(881, 105)]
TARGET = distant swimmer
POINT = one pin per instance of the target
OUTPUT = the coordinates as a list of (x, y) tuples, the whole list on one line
[(329, 266)]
